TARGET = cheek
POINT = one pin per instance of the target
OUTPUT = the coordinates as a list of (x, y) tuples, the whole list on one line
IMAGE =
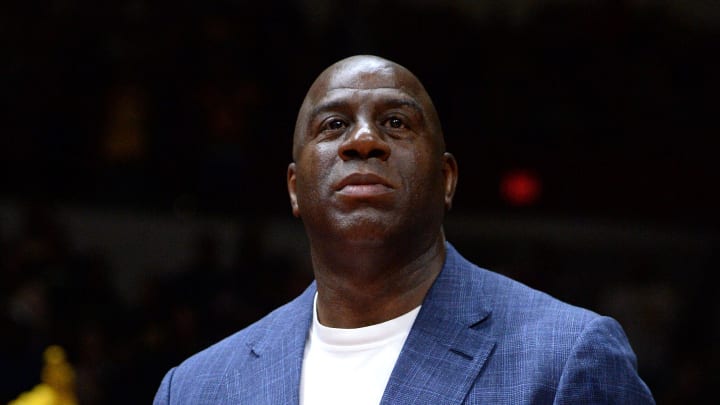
[(424, 175), (314, 165), (322, 159), (422, 163), (325, 152)]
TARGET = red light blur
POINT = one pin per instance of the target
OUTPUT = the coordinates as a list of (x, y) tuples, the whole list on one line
[(520, 187)]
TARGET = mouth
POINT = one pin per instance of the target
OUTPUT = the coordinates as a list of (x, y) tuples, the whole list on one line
[(363, 185)]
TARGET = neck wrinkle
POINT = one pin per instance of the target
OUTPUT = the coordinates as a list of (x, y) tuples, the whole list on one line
[(362, 296)]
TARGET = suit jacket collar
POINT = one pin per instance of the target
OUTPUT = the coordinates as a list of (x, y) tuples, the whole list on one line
[(446, 347), (279, 345), (441, 358)]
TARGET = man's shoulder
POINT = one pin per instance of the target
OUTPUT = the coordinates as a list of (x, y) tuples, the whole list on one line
[(553, 349), (512, 302), (529, 325), (236, 348), (241, 359)]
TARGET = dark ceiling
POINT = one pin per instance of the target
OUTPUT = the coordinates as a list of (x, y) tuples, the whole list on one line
[(152, 104)]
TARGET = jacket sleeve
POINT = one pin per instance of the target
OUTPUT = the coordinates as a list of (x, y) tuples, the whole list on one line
[(162, 396), (602, 369)]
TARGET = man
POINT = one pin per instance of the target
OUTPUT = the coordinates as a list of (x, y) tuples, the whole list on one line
[(396, 315)]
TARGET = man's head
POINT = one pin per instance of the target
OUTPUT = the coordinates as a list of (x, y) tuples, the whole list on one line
[(369, 157)]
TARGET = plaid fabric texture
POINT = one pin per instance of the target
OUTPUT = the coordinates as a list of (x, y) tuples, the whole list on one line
[(480, 338)]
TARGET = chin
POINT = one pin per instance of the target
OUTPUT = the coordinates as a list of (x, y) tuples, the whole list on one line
[(378, 236)]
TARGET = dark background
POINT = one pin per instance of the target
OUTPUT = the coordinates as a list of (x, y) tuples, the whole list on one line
[(155, 116)]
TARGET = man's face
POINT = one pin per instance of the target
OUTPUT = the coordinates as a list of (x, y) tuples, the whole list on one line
[(369, 162)]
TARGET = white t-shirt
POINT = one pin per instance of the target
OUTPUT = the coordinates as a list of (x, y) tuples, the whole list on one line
[(351, 366)]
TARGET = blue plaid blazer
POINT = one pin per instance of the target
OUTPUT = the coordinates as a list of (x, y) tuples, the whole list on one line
[(480, 338)]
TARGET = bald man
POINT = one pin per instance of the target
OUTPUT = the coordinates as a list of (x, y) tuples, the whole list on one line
[(396, 315)]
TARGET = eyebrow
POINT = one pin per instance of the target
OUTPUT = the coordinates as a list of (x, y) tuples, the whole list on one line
[(341, 104), (403, 102), (327, 106)]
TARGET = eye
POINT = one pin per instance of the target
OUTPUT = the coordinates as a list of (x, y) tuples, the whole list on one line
[(395, 122), (334, 124)]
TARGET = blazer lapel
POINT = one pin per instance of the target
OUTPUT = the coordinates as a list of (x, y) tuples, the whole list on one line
[(446, 347), (272, 374)]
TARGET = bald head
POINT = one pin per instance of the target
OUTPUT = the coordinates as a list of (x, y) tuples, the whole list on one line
[(365, 73)]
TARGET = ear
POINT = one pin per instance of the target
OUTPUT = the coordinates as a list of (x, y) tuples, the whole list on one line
[(450, 171), (291, 190)]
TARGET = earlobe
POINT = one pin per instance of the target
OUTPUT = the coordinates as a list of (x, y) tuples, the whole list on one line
[(450, 171), (291, 190)]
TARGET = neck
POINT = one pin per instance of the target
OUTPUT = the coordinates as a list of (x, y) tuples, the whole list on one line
[(363, 285)]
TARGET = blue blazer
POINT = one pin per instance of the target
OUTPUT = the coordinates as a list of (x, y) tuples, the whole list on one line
[(480, 338)]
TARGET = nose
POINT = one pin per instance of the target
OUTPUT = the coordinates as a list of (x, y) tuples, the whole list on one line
[(364, 142)]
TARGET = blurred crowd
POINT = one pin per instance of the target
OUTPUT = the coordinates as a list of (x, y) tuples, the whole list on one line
[(53, 294)]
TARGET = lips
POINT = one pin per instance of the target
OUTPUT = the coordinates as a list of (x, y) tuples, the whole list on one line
[(363, 185)]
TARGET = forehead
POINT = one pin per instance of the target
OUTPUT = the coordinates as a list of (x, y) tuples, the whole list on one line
[(365, 76), (362, 74)]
